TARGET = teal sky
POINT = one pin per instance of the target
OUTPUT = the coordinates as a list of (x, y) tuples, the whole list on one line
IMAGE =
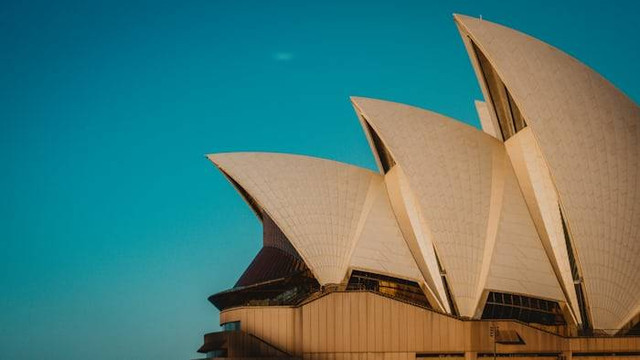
[(114, 228)]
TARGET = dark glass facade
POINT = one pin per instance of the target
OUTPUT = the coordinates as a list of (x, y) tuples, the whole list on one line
[(523, 308), (405, 290)]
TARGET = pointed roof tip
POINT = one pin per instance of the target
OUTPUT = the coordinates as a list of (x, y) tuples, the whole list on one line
[(361, 99), (215, 158), (239, 153), (221, 159), (225, 159), (367, 102), (356, 99), (211, 156), (461, 17)]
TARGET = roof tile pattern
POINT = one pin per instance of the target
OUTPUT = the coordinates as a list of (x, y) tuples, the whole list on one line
[(449, 167), (540, 194), (589, 134), (469, 197), (316, 203), (416, 233), (381, 247), (519, 263)]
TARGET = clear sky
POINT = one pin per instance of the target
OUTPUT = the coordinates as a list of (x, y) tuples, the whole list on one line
[(114, 228)]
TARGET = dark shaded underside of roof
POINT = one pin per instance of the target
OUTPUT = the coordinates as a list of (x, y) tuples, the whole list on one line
[(270, 263)]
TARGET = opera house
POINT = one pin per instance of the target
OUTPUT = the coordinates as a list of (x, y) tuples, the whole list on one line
[(519, 240)]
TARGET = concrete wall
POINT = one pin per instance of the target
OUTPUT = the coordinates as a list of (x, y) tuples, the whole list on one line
[(364, 325)]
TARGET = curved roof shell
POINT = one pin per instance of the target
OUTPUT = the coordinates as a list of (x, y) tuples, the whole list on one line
[(519, 263), (335, 215), (589, 134), (468, 196), (381, 248)]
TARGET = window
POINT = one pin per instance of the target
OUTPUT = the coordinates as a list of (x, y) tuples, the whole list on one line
[(386, 285), (523, 308), (217, 353), (231, 326)]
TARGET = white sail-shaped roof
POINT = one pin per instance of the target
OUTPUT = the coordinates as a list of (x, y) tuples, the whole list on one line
[(335, 215), (381, 247), (519, 263), (589, 135), (542, 200), (468, 196)]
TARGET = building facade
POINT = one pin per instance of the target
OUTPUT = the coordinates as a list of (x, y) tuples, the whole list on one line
[(521, 240)]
